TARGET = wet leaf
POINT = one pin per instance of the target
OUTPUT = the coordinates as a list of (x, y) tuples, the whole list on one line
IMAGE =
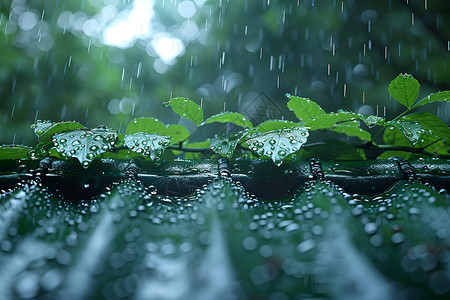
[(276, 124), (329, 120), (352, 129), (279, 143), (371, 121), (411, 130), (225, 145), (85, 145), (435, 97), (151, 125), (404, 89), (304, 108), (187, 109), (430, 143), (147, 144), (229, 117), (393, 136), (45, 130), (431, 123), (14, 152)]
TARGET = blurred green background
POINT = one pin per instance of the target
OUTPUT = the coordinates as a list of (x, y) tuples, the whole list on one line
[(105, 62)]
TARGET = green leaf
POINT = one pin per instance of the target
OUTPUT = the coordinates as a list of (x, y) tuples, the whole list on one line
[(187, 109), (371, 121), (436, 97), (147, 144), (14, 152), (178, 133), (226, 145), (430, 143), (279, 143), (85, 145), (329, 120), (393, 136), (151, 125), (411, 130), (304, 108), (352, 129), (276, 124), (46, 129), (230, 117), (431, 123), (404, 89)]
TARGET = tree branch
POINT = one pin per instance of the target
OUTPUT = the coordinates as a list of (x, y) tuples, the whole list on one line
[(382, 148)]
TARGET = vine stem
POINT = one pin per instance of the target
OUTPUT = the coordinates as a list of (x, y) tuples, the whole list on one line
[(370, 146)]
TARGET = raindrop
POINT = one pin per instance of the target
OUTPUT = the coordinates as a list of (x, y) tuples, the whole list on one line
[(249, 243), (306, 246), (370, 228), (398, 238)]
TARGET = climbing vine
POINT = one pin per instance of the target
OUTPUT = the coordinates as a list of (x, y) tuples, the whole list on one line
[(408, 135)]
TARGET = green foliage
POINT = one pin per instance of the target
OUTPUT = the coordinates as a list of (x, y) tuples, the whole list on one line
[(304, 109), (226, 145), (46, 129), (85, 145), (327, 121), (279, 143), (405, 89), (14, 152), (177, 133), (275, 124), (436, 97), (351, 128), (152, 145), (187, 109), (372, 121), (230, 117), (431, 123), (407, 135), (411, 130)]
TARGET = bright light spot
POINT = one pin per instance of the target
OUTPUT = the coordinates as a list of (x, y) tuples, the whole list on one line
[(160, 67), (167, 47), (130, 25), (186, 9), (46, 42), (108, 13), (113, 106), (27, 20), (118, 34), (65, 20), (91, 28), (189, 30), (125, 106)]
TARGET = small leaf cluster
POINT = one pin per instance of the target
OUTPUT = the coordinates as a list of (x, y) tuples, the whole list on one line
[(407, 135)]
